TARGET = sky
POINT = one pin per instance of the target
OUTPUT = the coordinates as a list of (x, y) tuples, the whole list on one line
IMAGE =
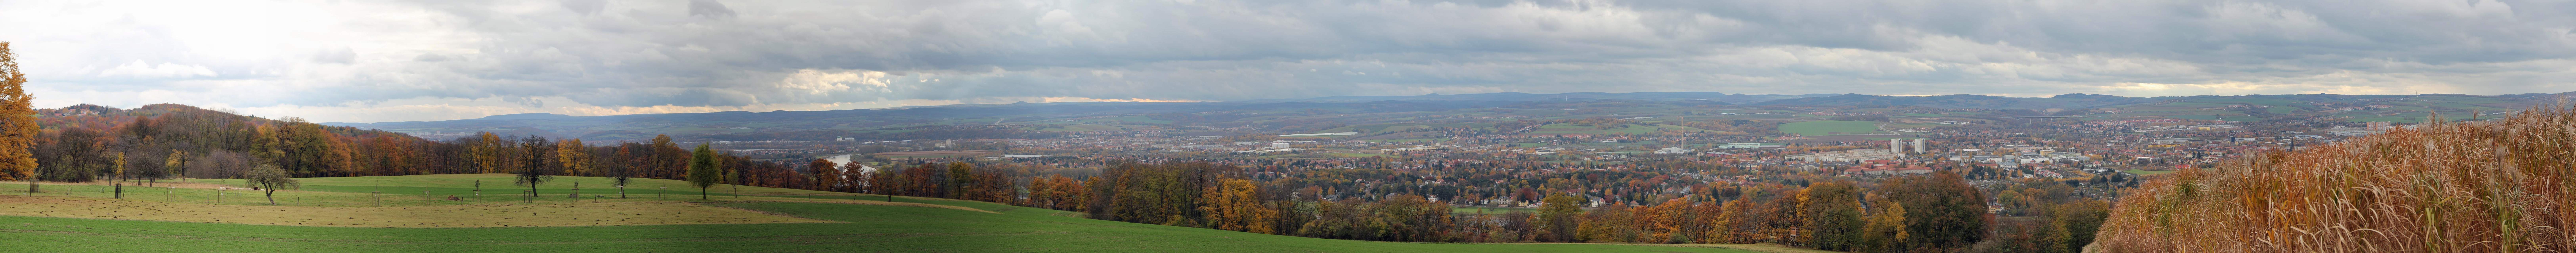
[(379, 61)]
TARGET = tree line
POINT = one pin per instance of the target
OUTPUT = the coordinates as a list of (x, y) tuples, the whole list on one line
[(163, 141), (1929, 213)]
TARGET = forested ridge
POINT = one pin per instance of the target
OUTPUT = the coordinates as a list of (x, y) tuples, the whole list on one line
[(89, 143)]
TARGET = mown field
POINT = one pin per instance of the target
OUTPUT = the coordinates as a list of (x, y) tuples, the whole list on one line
[(831, 224)]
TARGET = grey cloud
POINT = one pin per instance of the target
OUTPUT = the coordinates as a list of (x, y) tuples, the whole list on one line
[(705, 53), (585, 7), (709, 9), (340, 55)]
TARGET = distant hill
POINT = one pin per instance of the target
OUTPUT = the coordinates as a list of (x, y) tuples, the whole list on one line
[(526, 116), (2067, 101), (1738, 98), (1041, 120)]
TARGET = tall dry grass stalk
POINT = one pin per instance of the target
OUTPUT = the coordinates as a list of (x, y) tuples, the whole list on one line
[(2496, 186)]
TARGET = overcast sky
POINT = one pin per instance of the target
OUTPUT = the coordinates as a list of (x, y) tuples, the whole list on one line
[(373, 61)]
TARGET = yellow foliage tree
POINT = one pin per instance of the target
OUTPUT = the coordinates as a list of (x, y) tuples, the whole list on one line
[(1235, 205), (17, 122), (574, 156)]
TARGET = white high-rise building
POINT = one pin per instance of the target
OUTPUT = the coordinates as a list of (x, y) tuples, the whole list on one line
[(1895, 147), (1918, 146)]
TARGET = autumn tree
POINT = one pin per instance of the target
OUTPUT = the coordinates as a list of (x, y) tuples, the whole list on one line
[(997, 187), (827, 176), (264, 145), (959, 174), (268, 178), (1832, 209), (1069, 194), (310, 150), (1884, 230), (663, 158), (2073, 224), (1666, 222), (117, 165), (1412, 218), (1734, 222), (17, 122), (1041, 193), (394, 156), (574, 156), (703, 169), (1942, 211), (1235, 205), (488, 150), (885, 181), (1556, 216), (852, 175), (176, 163)]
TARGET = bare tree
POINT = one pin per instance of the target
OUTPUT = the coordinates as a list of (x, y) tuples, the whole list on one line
[(537, 168), (220, 164), (620, 173)]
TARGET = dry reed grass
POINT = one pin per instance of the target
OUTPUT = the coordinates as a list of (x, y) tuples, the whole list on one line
[(2496, 186)]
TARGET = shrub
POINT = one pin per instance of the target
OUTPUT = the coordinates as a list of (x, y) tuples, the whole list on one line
[(2497, 186)]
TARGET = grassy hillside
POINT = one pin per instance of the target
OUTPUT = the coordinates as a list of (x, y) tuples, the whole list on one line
[(2499, 186), (408, 191), (932, 225)]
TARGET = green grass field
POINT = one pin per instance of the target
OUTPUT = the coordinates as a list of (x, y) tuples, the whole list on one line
[(957, 226), (1830, 127)]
